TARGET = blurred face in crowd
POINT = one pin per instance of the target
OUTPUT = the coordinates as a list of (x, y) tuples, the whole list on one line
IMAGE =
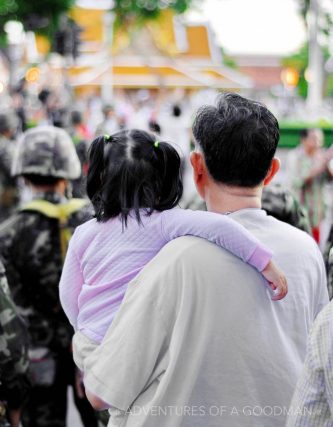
[(109, 113), (313, 141)]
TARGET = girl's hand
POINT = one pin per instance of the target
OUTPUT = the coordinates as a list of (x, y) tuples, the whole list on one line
[(276, 279)]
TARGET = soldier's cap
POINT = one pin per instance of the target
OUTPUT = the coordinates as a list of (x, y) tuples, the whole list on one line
[(46, 151)]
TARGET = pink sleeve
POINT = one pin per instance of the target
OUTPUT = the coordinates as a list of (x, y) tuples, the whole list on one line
[(71, 282), (219, 229)]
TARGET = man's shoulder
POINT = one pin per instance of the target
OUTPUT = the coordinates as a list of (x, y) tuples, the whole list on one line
[(271, 231), (290, 234), (190, 252), (273, 228)]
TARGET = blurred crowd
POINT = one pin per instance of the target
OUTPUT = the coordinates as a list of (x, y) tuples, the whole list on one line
[(166, 116), (300, 202)]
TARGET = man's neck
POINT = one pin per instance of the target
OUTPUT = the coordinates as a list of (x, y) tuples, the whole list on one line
[(223, 199)]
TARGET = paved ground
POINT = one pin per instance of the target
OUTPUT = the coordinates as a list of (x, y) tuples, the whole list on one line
[(73, 418)]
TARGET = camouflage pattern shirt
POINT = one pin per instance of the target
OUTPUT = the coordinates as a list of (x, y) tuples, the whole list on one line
[(30, 245), (9, 194), (279, 202), (14, 378)]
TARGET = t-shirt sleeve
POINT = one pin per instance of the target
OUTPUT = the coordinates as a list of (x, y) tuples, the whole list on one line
[(71, 283), (219, 229), (123, 364)]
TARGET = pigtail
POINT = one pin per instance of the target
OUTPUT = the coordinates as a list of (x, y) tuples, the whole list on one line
[(95, 174), (171, 184)]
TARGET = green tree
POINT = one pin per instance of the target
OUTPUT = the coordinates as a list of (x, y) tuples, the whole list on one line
[(40, 16), (138, 11), (300, 61), (325, 24)]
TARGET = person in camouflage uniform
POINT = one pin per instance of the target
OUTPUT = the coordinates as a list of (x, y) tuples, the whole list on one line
[(32, 247), (281, 203), (9, 194), (14, 379)]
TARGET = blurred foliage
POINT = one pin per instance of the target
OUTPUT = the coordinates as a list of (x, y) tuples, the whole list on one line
[(300, 61), (329, 86), (304, 6), (42, 16), (36, 15), (228, 60), (325, 21), (139, 11)]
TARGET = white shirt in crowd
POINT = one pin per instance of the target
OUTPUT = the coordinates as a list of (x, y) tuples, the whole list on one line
[(199, 342), (176, 130)]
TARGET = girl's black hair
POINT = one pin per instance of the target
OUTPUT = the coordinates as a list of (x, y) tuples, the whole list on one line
[(129, 171)]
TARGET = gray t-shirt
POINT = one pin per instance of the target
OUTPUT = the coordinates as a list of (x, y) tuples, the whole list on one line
[(198, 341)]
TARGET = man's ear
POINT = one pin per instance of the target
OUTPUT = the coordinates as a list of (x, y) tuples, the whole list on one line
[(199, 171), (273, 170), (196, 161)]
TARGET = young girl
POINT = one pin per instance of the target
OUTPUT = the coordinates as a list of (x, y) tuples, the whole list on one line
[(134, 184)]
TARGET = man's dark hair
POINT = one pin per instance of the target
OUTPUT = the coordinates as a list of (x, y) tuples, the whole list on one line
[(131, 172), (238, 138)]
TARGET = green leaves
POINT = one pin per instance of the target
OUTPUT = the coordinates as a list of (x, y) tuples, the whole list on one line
[(141, 10), (42, 16), (35, 15)]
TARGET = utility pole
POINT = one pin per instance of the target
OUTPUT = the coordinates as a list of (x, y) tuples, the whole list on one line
[(316, 60), (15, 38), (107, 78)]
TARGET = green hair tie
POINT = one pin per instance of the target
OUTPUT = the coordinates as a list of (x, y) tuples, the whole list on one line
[(106, 137), (156, 143)]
